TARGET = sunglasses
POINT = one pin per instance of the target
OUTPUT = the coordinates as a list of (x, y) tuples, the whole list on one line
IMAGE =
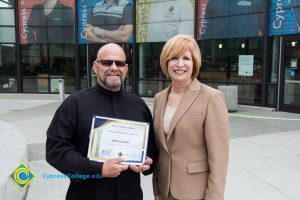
[(108, 63)]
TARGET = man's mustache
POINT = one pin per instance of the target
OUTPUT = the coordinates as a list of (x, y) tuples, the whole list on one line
[(112, 74)]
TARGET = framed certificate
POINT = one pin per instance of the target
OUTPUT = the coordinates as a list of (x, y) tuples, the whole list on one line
[(113, 138)]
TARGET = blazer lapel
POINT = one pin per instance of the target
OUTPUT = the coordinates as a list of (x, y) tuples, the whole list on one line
[(161, 105), (187, 100)]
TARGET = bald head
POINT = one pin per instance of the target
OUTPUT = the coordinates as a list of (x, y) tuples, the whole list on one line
[(109, 49), (109, 66)]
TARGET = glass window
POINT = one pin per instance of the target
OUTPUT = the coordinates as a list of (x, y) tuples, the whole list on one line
[(7, 3), (128, 81), (7, 17), (43, 65), (8, 79), (46, 22), (7, 35), (221, 64), (151, 79)]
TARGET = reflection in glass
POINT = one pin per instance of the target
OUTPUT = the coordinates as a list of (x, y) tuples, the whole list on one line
[(151, 78), (221, 66), (148, 88), (7, 35), (8, 79), (292, 73), (7, 17), (43, 65), (7, 3)]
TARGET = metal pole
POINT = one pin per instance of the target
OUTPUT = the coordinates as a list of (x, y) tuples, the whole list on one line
[(61, 88), (279, 74)]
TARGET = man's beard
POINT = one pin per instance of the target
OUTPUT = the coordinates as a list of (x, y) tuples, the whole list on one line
[(115, 83)]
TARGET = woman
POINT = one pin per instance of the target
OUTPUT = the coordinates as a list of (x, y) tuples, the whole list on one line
[(192, 128)]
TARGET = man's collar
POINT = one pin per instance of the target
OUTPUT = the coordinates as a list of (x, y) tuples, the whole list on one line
[(104, 91)]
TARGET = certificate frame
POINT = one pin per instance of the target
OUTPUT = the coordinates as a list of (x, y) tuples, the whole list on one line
[(113, 138)]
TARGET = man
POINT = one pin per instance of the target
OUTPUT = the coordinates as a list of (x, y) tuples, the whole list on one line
[(110, 21), (68, 133), (51, 22)]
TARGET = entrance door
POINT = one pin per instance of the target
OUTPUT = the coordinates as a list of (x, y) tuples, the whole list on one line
[(290, 75)]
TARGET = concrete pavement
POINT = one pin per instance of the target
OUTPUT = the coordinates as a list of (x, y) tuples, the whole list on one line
[(264, 150)]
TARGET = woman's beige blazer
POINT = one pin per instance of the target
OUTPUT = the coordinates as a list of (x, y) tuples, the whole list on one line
[(193, 160)]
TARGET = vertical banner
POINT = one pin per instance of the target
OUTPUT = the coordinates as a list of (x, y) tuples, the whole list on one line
[(102, 22), (45, 21), (142, 15), (158, 21), (201, 21), (284, 17), (219, 19)]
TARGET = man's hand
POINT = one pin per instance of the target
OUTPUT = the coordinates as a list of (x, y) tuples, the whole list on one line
[(111, 168), (142, 168), (91, 36)]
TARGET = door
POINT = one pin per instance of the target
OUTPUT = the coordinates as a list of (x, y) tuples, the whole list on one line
[(289, 98)]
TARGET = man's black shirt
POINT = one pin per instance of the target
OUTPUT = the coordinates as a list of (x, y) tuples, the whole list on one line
[(68, 140)]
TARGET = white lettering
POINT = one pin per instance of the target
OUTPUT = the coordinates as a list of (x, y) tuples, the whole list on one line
[(24, 30), (142, 30), (203, 19), (84, 21), (277, 23)]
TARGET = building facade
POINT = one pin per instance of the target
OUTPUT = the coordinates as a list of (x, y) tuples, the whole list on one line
[(254, 44)]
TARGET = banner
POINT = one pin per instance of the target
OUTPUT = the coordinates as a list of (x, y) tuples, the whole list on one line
[(103, 22), (158, 21), (218, 19), (43, 21), (284, 17)]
